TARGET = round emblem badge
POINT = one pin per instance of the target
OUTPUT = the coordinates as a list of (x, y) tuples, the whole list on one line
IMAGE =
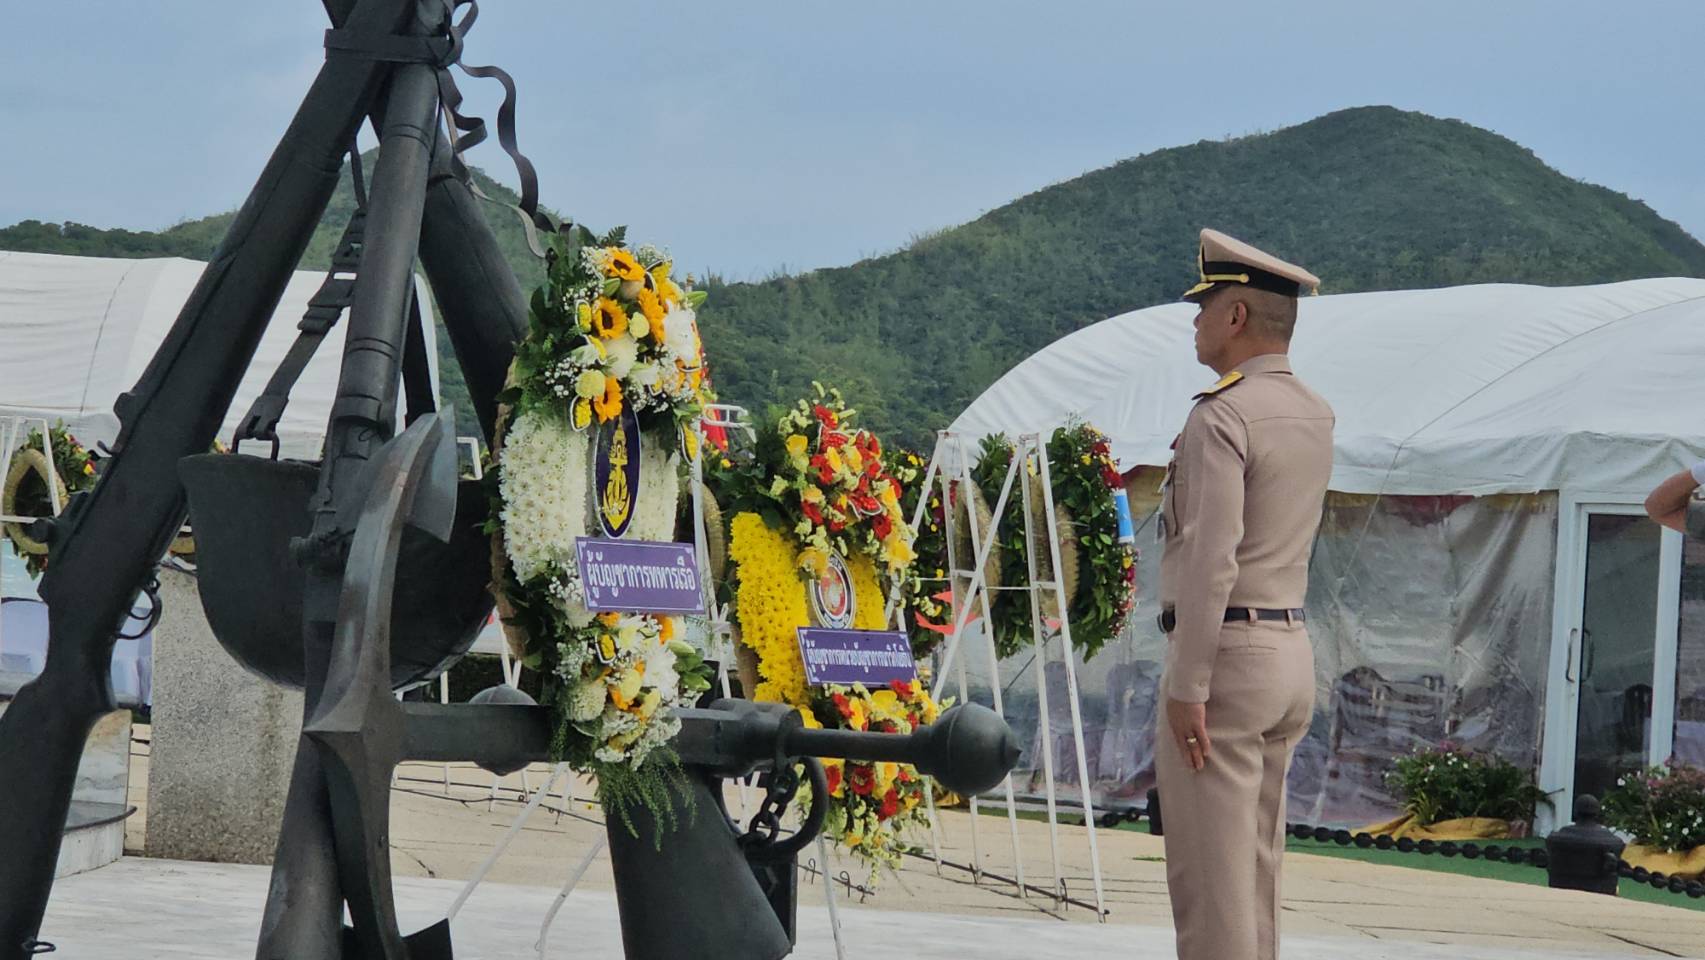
[(832, 599)]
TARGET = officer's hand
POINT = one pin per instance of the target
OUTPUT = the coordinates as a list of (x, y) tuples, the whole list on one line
[(1189, 725)]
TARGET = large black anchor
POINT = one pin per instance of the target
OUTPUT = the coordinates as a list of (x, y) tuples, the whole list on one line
[(358, 726), (366, 572)]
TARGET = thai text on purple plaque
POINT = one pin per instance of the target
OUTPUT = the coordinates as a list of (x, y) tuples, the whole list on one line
[(874, 658), (639, 576)]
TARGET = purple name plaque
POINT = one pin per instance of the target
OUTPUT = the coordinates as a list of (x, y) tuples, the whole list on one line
[(874, 658), (639, 576)]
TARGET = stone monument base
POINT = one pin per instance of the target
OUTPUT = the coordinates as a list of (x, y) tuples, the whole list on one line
[(224, 742)]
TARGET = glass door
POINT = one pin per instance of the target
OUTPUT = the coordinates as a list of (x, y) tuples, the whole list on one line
[(1613, 651)]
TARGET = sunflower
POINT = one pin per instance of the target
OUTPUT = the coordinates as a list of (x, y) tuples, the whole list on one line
[(609, 406), (609, 320), (622, 264), (652, 307)]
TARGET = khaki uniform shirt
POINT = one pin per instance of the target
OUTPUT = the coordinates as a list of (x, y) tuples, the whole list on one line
[(1242, 506)]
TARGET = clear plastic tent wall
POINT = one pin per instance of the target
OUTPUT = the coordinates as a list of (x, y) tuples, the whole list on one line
[(1431, 620), (1461, 414)]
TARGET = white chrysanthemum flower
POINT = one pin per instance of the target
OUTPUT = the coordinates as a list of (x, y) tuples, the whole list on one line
[(577, 615), (660, 490), (586, 355), (586, 702), (624, 352), (543, 484)]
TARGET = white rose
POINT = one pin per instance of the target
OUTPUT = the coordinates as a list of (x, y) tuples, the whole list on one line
[(680, 334), (660, 670)]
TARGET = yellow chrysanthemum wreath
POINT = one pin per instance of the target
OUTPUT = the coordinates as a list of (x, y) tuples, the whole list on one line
[(770, 601), (810, 486)]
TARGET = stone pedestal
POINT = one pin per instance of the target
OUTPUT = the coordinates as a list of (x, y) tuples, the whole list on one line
[(224, 742)]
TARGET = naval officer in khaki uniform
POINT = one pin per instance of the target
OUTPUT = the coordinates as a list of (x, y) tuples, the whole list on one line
[(1242, 505)]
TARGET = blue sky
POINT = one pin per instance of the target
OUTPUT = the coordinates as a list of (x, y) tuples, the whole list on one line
[(756, 136)]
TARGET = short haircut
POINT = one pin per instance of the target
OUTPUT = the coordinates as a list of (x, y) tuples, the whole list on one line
[(1271, 315)]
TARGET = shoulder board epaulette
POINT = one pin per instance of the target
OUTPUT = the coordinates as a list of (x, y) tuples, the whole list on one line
[(1225, 383)]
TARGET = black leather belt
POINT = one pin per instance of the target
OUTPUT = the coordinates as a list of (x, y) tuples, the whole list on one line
[(1169, 617)]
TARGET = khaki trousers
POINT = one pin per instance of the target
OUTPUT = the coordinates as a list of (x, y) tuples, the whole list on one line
[(1225, 825)]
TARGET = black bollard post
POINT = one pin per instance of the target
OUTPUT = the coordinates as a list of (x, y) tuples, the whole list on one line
[(1153, 812), (1584, 854)]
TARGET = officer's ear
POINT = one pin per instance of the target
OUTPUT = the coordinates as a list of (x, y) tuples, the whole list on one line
[(1239, 315)]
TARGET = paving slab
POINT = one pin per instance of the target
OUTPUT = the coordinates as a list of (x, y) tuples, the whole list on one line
[(1332, 908), (157, 909)]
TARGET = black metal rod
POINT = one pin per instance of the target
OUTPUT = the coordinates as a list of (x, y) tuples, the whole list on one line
[(494, 733), (372, 353), (853, 745), (103, 552)]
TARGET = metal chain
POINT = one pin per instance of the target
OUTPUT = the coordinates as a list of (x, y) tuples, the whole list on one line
[(782, 786)]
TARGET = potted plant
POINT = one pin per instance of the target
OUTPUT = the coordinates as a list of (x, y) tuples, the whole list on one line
[(1451, 793), (1662, 809)]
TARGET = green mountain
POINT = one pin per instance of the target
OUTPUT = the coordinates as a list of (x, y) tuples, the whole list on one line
[(1368, 198)]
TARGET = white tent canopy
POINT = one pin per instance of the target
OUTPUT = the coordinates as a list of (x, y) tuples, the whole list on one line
[(75, 332), (1473, 390)]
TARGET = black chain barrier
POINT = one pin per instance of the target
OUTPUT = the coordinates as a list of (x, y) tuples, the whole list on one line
[(1468, 850)]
